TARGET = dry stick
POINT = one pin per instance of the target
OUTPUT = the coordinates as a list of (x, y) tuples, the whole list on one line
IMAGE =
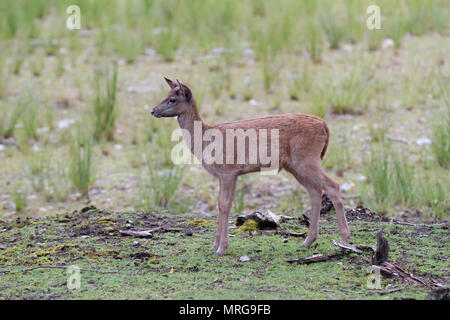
[(65, 267), (419, 224)]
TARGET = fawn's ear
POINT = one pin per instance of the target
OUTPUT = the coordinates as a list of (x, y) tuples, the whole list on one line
[(170, 83), (185, 91)]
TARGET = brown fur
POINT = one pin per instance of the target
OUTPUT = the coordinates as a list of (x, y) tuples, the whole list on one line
[(303, 141)]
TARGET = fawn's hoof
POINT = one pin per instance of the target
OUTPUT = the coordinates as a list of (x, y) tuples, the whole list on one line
[(213, 248), (218, 254), (307, 243)]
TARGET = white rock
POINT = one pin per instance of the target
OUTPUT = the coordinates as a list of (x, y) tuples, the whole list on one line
[(423, 141), (362, 178), (244, 259), (248, 53), (2, 147), (65, 123), (347, 47), (253, 102), (347, 186), (387, 43), (149, 52)]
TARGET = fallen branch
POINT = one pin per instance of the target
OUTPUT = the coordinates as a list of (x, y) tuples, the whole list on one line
[(297, 234), (345, 246), (147, 233), (316, 258), (392, 270), (65, 267), (139, 234), (420, 224)]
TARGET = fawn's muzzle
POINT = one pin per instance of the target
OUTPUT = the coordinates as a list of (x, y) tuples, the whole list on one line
[(155, 112)]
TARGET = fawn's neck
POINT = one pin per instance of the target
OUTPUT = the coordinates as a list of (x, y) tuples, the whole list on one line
[(187, 121)]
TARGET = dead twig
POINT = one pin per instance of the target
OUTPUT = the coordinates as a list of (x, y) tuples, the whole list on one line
[(297, 234), (316, 258), (138, 234), (392, 270), (65, 267), (345, 246)]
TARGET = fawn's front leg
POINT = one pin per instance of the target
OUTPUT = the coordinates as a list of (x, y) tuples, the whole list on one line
[(226, 195)]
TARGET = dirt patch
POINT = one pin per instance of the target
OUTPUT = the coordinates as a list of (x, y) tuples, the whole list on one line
[(365, 214)]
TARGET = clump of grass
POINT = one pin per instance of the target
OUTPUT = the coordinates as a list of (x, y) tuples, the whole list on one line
[(19, 199), (37, 168), (338, 155), (441, 136), (9, 119), (104, 105), (333, 31), (30, 121), (218, 83), (17, 63), (318, 105), (392, 179), (36, 66), (166, 43), (346, 93), (158, 188), (300, 83), (374, 39), (127, 44), (314, 40), (434, 194), (47, 177), (57, 182), (378, 130), (80, 163)]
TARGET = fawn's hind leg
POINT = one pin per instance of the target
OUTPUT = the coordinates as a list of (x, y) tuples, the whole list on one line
[(331, 188), (310, 182), (316, 201)]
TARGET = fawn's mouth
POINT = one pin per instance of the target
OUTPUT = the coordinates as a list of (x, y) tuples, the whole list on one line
[(156, 114)]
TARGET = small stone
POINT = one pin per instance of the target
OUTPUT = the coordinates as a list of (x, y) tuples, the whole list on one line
[(423, 141), (347, 48), (244, 259), (387, 43), (347, 186)]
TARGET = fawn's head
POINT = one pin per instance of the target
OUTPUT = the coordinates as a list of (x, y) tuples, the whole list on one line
[(177, 102)]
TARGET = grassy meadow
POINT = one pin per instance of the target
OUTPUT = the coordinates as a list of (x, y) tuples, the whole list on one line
[(76, 129)]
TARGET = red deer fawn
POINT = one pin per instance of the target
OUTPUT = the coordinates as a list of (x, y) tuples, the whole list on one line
[(302, 143)]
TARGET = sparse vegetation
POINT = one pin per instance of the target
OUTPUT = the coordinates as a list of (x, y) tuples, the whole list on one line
[(104, 104), (80, 165)]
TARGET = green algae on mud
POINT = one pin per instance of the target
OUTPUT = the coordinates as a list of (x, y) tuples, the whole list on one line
[(176, 262)]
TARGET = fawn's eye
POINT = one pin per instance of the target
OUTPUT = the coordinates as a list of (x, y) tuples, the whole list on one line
[(172, 100)]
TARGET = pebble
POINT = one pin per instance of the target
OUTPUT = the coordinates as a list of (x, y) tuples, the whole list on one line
[(347, 186), (387, 43), (244, 259), (423, 141)]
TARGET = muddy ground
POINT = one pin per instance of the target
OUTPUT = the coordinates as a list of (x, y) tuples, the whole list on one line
[(175, 262)]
